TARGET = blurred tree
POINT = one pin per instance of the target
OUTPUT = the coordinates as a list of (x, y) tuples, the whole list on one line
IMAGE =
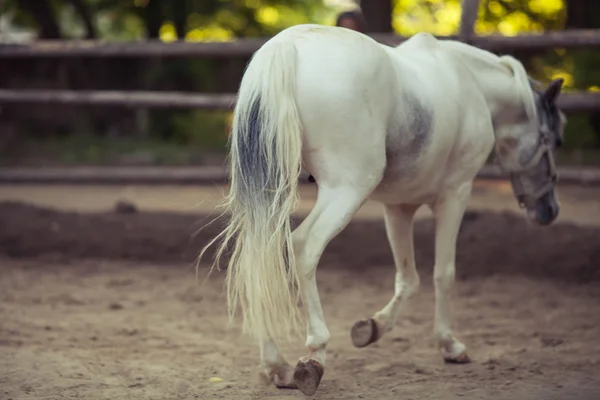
[(585, 14), (83, 10), (44, 16), (200, 20)]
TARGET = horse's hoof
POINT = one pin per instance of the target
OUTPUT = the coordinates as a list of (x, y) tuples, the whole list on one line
[(462, 358), (365, 332), (285, 379), (282, 378), (284, 383), (307, 375)]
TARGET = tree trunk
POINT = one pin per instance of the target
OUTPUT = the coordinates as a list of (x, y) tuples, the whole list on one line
[(152, 15), (44, 16), (583, 14), (180, 13)]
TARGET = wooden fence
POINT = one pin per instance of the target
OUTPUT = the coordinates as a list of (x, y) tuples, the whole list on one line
[(575, 102), (575, 38), (571, 102)]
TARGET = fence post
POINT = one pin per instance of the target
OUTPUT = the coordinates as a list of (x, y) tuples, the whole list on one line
[(468, 17), (378, 14)]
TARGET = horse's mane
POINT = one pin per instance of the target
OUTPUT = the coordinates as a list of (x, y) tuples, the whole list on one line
[(523, 84), (507, 64)]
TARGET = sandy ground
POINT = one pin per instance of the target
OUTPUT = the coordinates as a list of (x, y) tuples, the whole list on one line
[(113, 330), (103, 305)]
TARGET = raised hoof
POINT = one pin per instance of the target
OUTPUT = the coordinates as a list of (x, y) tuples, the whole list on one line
[(364, 332), (307, 376), (462, 358)]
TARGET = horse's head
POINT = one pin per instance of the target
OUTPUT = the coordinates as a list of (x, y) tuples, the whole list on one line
[(526, 149)]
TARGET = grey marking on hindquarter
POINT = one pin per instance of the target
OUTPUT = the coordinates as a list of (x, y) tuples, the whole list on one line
[(410, 137)]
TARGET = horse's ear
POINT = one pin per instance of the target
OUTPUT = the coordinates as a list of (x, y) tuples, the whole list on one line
[(553, 90)]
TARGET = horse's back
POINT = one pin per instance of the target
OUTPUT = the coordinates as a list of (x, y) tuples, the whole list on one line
[(334, 62), (363, 105)]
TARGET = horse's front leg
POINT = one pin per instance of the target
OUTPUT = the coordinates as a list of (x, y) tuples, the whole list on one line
[(398, 225), (448, 210)]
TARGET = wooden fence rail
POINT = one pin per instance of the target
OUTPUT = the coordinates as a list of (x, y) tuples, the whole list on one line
[(573, 38), (568, 102), (195, 175), (136, 99)]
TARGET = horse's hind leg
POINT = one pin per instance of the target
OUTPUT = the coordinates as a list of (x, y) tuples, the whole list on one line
[(398, 224), (275, 368), (333, 211)]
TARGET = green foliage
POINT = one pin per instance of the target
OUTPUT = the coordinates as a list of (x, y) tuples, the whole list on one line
[(206, 20), (200, 128), (580, 133), (586, 69), (87, 149)]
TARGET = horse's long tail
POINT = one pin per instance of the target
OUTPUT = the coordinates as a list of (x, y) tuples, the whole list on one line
[(265, 163)]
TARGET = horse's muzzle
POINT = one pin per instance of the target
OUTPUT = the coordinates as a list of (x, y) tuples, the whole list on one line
[(546, 210)]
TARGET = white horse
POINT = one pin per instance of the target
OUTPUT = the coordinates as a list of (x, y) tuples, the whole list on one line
[(406, 126)]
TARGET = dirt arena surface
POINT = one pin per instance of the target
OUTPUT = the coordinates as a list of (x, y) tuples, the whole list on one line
[(564, 251), (105, 305)]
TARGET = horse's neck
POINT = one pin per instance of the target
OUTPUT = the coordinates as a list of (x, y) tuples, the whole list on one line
[(501, 84)]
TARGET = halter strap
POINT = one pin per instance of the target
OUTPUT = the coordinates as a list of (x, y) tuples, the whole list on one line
[(544, 149)]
